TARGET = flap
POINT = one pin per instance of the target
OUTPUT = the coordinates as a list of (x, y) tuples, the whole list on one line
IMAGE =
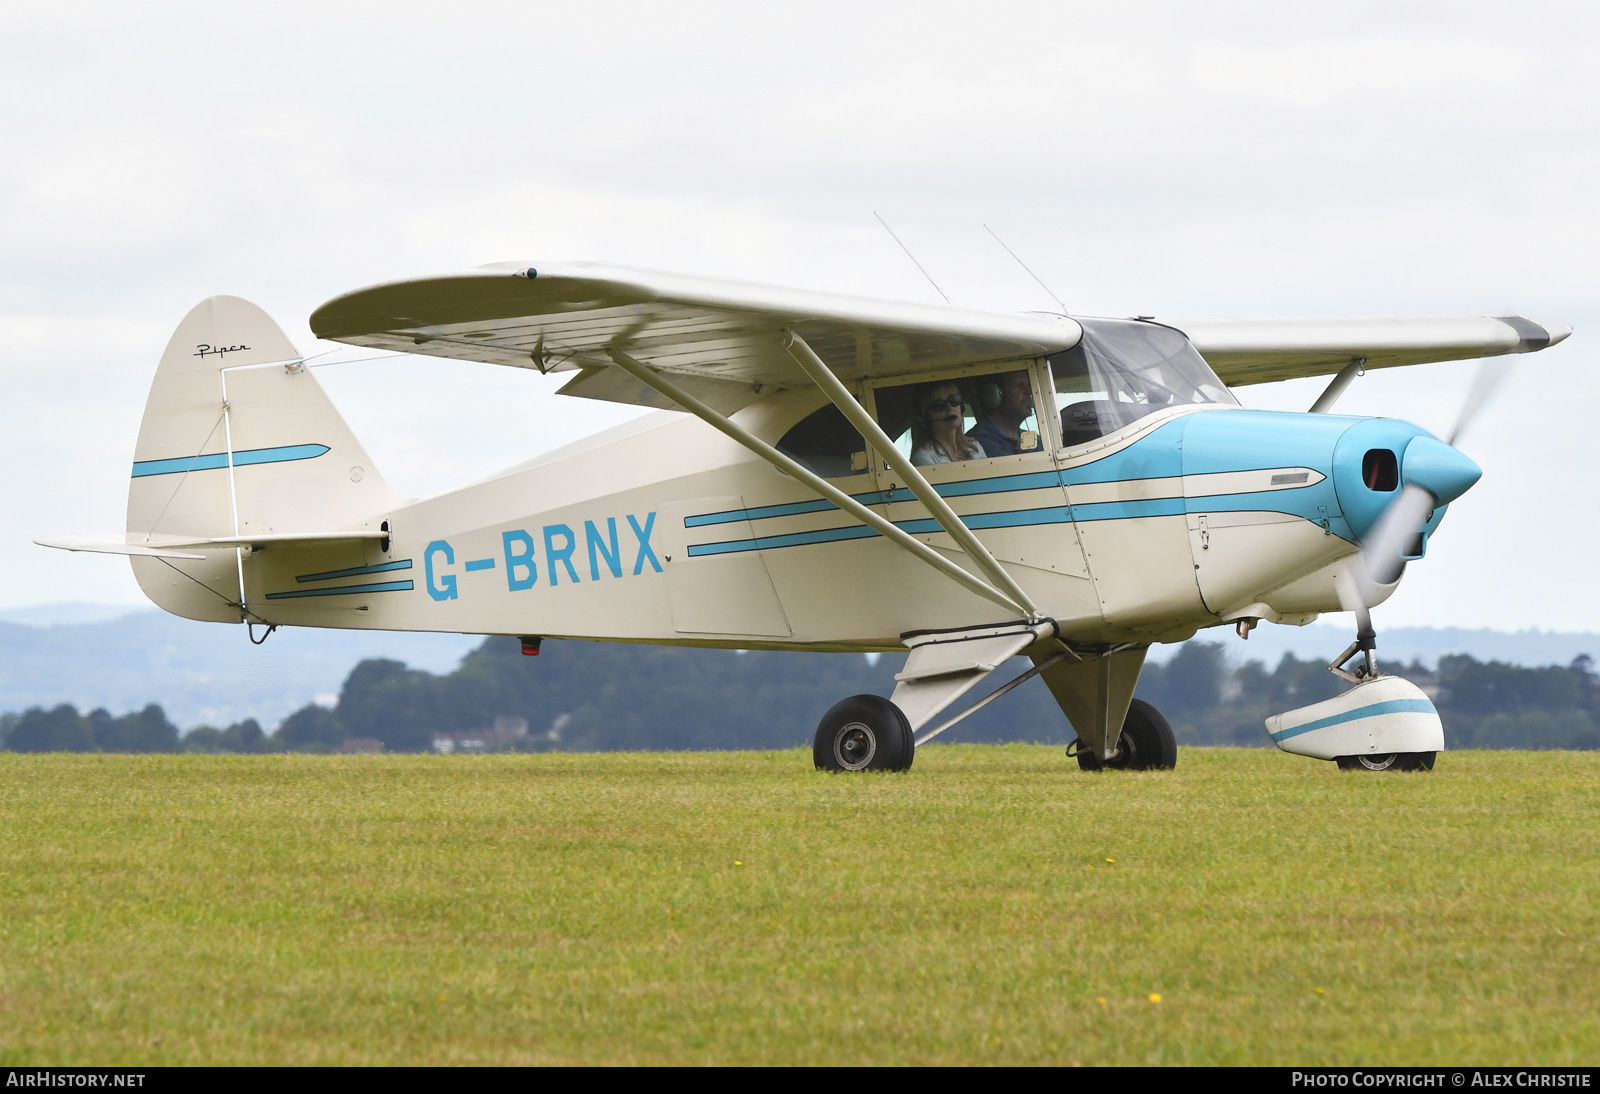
[(954, 654), (612, 385)]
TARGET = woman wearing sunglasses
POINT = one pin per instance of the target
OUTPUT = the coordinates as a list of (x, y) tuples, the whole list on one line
[(936, 435)]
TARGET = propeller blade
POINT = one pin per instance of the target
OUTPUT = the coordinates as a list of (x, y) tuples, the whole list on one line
[(1492, 372), (1354, 598), (1386, 546)]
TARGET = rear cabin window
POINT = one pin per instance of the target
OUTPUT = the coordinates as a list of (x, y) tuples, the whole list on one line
[(971, 418), (826, 444)]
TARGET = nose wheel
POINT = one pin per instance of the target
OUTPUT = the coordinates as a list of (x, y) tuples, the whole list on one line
[(1391, 761)]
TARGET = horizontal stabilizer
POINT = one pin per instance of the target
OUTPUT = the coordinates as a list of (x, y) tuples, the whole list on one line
[(169, 546)]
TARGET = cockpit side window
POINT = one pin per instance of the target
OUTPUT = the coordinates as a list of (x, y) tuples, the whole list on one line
[(827, 444), (973, 417), (1123, 370)]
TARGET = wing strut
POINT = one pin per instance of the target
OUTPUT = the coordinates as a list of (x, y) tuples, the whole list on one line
[(644, 374), (1335, 388), (823, 377)]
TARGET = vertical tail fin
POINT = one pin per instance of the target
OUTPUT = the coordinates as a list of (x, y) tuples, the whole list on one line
[(238, 438)]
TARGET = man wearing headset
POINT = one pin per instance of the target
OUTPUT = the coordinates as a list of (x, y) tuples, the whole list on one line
[(1007, 401)]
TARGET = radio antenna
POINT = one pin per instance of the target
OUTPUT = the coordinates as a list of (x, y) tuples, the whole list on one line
[(912, 257), (1024, 265)]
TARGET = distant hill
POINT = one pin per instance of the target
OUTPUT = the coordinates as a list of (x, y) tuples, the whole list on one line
[(98, 656), (51, 615), (199, 672)]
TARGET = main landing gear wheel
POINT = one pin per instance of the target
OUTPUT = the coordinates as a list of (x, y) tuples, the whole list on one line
[(1146, 743), (864, 733), (1389, 761)]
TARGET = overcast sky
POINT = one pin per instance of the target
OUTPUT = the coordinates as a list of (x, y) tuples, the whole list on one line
[(1167, 159)]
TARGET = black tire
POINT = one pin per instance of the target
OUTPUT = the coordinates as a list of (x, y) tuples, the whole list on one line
[(864, 733), (1389, 761), (1146, 743)]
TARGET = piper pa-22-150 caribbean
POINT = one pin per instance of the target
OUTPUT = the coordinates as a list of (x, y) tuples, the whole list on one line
[(828, 473)]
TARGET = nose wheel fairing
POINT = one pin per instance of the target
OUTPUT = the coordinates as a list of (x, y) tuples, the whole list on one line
[(1387, 715)]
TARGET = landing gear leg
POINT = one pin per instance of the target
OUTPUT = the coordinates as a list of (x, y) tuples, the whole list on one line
[(1365, 646)]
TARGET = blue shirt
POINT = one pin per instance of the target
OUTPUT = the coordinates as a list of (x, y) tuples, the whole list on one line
[(995, 441)]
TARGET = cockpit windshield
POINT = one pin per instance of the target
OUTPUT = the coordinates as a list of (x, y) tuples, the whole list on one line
[(1124, 369)]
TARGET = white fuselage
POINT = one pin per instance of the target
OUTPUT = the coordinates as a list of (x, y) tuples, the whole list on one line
[(667, 531)]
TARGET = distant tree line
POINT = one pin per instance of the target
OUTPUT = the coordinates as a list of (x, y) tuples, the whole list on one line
[(1482, 704), (63, 729), (595, 696)]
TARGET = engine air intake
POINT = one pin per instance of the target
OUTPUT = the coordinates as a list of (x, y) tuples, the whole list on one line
[(1380, 470)]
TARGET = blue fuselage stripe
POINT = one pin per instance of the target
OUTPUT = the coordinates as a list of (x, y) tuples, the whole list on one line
[(795, 539), (1121, 510), (1016, 518), (1393, 706), (1000, 484), (346, 590), (219, 460), (357, 571)]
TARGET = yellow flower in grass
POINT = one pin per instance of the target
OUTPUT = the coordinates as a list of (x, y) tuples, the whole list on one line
[(1155, 997)]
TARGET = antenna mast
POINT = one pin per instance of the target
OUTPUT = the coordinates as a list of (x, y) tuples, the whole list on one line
[(1024, 265), (912, 257)]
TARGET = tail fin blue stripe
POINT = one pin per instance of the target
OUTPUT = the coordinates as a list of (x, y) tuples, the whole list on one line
[(218, 460)]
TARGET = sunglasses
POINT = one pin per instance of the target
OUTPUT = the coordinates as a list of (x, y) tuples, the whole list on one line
[(952, 401)]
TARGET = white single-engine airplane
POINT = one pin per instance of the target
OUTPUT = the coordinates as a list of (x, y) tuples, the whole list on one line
[(844, 474)]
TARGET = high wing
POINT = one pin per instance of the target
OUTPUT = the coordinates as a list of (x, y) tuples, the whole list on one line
[(1259, 351), (720, 338)]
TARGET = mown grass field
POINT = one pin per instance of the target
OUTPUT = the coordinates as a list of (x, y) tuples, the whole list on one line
[(993, 906)]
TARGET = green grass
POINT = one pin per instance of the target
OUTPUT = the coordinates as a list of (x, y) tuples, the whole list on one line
[(739, 907)]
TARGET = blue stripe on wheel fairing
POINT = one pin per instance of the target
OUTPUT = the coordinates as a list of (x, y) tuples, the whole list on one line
[(1393, 706), (344, 590), (218, 460)]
